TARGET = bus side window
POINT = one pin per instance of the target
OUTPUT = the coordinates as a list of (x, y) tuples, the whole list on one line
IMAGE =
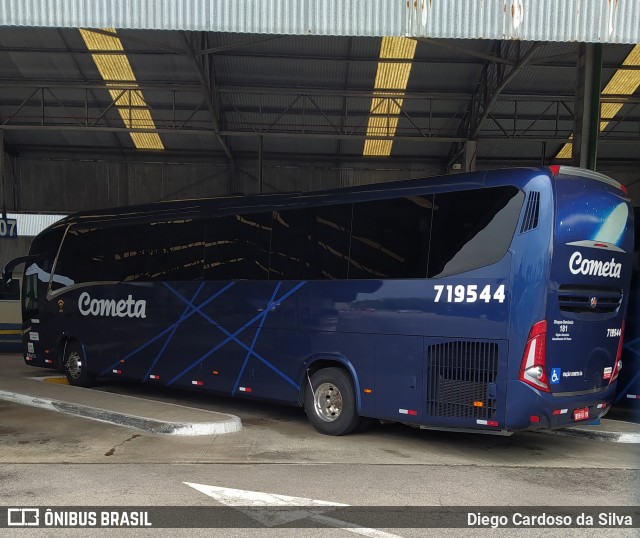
[(330, 240), (390, 238), (176, 250), (291, 256), (472, 229), (237, 247)]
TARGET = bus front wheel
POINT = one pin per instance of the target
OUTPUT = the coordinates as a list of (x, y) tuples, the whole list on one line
[(330, 402), (74, 365)]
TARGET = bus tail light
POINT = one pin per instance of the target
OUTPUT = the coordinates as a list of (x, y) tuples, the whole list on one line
[(618, 364), (533, 365)]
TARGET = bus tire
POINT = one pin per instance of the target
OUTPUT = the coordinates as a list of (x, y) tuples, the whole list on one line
[(74, 365), (330, 402)]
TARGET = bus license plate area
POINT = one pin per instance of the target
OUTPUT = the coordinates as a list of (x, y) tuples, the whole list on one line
[(581, 414)]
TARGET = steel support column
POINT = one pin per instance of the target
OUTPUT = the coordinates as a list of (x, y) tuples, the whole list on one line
[(587, 116)]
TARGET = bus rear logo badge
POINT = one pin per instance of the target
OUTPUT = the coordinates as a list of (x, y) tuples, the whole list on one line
[(61, 306), (593, 302)]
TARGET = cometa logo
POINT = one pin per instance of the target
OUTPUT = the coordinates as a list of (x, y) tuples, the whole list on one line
[(583, 266), (124, 308)]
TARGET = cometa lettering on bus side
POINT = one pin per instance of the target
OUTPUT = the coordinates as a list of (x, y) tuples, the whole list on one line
[(584, 266), (124, 308)]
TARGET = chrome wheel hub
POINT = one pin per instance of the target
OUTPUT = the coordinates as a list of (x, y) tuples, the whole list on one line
[(73, 364), (327, 402)]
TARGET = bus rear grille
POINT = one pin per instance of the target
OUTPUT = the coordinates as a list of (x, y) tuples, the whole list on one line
[(531, 212), (459, 373), (588, 299)]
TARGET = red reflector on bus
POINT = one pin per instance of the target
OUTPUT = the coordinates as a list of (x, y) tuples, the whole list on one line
[(153, 376), (560, 411), (244, 389), (624, 189), (410, 412), (555, 169), (534, 418), (198, 383), (601, 245)]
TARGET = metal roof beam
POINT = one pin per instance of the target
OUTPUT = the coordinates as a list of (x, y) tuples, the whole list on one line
[(560, 138), (204, 68), (495, 77)]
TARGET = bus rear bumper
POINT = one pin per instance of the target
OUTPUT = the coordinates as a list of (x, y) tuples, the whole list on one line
[(531, 409)]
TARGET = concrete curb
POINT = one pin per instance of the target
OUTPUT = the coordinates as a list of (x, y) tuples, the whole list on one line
[(229, 425)]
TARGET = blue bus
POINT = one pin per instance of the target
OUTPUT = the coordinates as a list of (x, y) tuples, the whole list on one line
[(492, 301)]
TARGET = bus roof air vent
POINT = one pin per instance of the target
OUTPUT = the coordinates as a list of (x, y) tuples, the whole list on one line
[(531, 213)]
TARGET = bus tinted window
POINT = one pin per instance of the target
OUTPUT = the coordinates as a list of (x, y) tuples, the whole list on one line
[(82, 257), (130, 245), (46, 246), (331, 240), (292, 254), (472, 228), (390, 238), (237, 247), (176, 250)]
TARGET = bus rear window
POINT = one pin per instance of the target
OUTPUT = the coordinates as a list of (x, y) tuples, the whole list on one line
[(472, 229)]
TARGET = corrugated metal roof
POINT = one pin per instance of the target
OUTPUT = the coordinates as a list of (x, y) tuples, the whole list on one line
[(603, 21)]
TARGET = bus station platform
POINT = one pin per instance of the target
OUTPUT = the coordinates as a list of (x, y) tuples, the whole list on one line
[(47, 389)]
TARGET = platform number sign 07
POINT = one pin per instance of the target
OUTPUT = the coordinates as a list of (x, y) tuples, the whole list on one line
[(8, 227), (470, 293)]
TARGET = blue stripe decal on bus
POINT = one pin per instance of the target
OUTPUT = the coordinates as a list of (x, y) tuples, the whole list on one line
[(255, 339), (250, 350), (173, 331), (264, 313), (169, 328)]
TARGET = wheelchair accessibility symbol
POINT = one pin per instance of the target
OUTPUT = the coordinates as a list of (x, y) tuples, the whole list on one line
[(556, 373)]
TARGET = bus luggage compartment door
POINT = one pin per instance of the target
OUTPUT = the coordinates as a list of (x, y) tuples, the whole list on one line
[(465, 383)]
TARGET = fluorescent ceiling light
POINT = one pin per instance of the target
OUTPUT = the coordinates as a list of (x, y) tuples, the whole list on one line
[(389, 89), (129, 101), (623, 82)]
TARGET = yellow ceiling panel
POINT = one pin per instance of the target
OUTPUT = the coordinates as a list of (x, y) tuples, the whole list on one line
[(390, 76), (130, 103)]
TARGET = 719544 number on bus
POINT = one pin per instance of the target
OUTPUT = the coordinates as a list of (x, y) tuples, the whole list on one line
[(469, 293)]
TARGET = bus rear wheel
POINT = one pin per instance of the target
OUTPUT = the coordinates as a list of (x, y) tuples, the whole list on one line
[(74, 365), (330, 402)]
